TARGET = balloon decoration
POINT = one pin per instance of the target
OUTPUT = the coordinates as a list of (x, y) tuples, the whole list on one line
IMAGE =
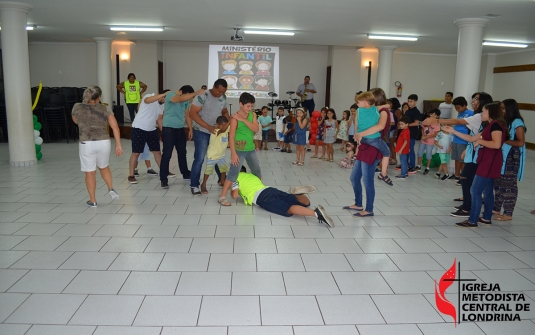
[(435, 160), (314, 126), (37, 127)]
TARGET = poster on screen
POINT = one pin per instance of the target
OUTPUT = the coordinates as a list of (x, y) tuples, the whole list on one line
[(253, 69)]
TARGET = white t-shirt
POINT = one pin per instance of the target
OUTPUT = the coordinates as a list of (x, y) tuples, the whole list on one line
[(443, 140), (147, 115), (445, 110), (474, 123), (279, 123)]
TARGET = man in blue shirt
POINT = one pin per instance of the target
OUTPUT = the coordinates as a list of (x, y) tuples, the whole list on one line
[(171, 123)]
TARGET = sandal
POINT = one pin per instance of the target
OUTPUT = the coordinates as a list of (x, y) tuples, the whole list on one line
[(503, 218), (314, 156), (223, 201), (353, 208), (296, 162), (392, 162), (386, 179), (330, 160), (300, 163)]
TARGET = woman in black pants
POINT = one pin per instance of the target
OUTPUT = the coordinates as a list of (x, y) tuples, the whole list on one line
[(473, 123)]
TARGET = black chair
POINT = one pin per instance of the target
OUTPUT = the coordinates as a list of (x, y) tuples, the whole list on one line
[(80, 94), (57, 100), (45, 93), (70, 94), (56, 122)]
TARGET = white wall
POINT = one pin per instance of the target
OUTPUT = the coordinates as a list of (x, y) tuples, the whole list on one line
[(63, 64), (517, 85), (345, 77), (427, 75), (186, 63)]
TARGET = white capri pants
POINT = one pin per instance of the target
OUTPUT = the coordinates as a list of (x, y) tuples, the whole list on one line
[(93, 154)]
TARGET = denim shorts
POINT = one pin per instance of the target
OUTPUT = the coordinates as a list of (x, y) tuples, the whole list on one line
[(377, 143), (427, 148), (252, 161), (221, 163), (276, 201)]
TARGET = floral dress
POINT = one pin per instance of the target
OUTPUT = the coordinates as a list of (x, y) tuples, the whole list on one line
[(342, 132)]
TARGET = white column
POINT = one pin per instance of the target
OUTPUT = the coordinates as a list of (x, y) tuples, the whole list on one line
[(104, 69), (16, 65), (384, 71), (468, 57)]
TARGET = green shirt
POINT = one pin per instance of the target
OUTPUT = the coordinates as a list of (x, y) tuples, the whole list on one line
[(174, 112), (244, 138), (367, 118), (248, 185)]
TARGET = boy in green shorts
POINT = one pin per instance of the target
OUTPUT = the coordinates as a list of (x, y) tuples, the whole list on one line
[(215, 154)]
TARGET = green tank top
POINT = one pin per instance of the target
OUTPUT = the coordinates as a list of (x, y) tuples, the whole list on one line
[(244, 139), (132, 92), (367, 118)]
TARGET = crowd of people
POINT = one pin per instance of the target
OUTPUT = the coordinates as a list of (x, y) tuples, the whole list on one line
[(487, 143)]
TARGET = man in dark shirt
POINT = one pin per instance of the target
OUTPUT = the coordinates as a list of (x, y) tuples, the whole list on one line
[(414, 116)]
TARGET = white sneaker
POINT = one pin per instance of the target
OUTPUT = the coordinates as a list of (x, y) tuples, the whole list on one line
[(113, 194), (305, 189)]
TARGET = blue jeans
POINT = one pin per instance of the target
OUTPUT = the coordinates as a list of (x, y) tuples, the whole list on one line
[(201, 141), (412, 154), (132, 110), (480, 186), (365, 172), (174, 138), (310, 105), (265, 135), (379, 144), (404, 164), (252, 161)]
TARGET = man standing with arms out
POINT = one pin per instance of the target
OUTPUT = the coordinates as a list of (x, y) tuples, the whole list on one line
[(133, 90), (206, 108), (144, 131), (172, 123), (306, 91), (446, 106)]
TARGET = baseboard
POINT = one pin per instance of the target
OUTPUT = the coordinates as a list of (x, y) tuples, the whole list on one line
[(530, 146)]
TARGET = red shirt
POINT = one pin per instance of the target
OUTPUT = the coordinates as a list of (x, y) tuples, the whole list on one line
[(405, 135)]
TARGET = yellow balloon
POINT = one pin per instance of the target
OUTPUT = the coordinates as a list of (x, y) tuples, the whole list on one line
[(38, 94)]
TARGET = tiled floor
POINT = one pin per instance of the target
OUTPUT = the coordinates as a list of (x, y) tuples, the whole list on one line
[(163, 262)]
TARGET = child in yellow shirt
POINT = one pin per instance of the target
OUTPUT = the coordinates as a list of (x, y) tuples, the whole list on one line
[(216, 152)]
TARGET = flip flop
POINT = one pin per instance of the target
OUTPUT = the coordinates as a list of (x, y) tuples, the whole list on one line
[(360, 215), (503, 218), (458, 199), (352, 208), (223, 201)]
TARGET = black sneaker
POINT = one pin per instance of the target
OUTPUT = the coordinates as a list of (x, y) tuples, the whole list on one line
[(283, 150), (171, 175), (453, 177), (401, 177), (308, 149), (412, 171), (418, 168), (458, 183), (151, 172), (322, 216), (457, 208), (132, 180), (466, 224), (480, 220), (195, 191), (444, 177), (186, 178), (91, 204), (426, 172), (460, 214), (165, 185), (437, 175), (136, 174)]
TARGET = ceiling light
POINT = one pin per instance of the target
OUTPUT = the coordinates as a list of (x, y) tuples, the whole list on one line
[(27, 27), (135, 28), (392, 37), (269, 32), (505, 44)]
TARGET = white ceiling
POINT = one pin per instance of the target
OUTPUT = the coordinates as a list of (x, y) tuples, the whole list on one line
[(319, 22)]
